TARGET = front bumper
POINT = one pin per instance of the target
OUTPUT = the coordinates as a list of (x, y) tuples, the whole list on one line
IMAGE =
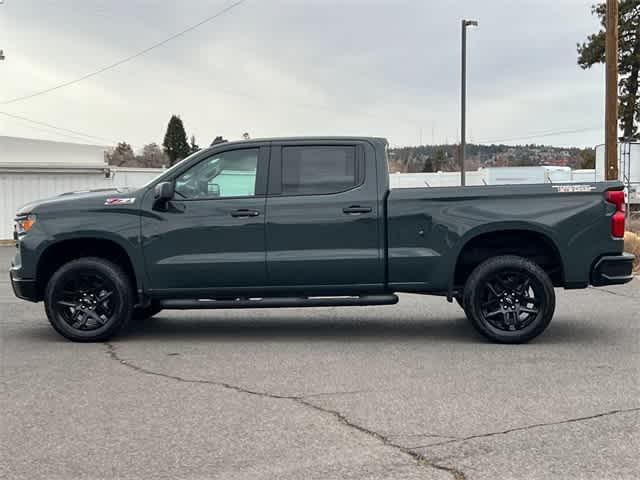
[(613, 270), (24, 289)]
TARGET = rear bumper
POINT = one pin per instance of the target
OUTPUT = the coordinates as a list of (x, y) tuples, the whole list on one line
[(24, 289), (612, 270)]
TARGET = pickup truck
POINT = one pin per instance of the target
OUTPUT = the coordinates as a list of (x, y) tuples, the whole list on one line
[(312, 222)]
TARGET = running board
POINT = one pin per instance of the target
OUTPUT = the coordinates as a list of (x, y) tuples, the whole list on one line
[(278, 302)]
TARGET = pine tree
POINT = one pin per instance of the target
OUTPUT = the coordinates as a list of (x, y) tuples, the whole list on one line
[(175, 140), (592, 52)]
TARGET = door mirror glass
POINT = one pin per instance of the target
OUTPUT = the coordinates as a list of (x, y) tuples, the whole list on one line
[(214, 190), (163, 191)]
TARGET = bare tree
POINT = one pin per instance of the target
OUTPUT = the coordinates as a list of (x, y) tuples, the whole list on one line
[(153, 156), (121, 155)]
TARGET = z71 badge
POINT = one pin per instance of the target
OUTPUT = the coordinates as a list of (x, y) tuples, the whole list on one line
[(120, 201), (574, 188)]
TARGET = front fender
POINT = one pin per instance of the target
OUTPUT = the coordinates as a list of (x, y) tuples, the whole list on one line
[(122, 229)]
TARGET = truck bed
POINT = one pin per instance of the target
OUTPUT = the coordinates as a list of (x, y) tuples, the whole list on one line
[(427, 228)]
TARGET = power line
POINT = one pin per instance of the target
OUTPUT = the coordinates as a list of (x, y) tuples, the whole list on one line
[(54, 127), (541, 135), (56, 133), (126, 59)]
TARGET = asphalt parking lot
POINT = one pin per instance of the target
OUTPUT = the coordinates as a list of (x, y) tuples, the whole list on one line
[(399, 392)]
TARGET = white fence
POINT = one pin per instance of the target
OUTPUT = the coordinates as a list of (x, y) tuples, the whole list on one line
[(22, 185), (493, 176), (133, 177)]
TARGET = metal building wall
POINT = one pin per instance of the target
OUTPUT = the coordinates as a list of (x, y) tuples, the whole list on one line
[(19, 186), (133, 177)]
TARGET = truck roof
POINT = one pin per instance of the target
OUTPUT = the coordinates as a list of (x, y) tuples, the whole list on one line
[(312, 138)]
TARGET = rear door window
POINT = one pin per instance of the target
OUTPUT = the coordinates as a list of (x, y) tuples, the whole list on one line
[(315, 170)]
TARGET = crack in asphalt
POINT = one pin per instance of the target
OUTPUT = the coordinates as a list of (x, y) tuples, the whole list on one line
[(425, 435), (535, 425), (611, 292), (420, 459), (331, 394), (111, 351)]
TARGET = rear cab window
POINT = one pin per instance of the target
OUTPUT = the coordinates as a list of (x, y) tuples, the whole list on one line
[(316, 169)]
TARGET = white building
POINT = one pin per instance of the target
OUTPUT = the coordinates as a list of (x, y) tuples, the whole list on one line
[(33, 169), (30, 153)]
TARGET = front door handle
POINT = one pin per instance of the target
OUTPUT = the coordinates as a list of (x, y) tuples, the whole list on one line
[(356, 210), (244, 212)]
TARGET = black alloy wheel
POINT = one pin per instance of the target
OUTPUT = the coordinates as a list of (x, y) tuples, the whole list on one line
[(509, 299), (88, 299)]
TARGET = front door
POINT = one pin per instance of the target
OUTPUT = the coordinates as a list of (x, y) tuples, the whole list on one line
[(209, 239)]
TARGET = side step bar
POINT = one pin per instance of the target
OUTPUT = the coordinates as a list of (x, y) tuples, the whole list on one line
[(276, 302)]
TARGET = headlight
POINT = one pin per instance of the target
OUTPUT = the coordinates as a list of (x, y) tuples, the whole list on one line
[(25, 223)]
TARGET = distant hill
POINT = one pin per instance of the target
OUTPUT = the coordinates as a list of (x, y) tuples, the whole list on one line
[(433, 158)]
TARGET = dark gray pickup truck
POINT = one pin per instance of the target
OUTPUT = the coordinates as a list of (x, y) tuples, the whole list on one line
[(311, 222)]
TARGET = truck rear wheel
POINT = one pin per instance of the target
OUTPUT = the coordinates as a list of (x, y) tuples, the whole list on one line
[(88, 299), (509, 299)]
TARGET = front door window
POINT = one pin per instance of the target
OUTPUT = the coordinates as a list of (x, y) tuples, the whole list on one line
[(227, 174)]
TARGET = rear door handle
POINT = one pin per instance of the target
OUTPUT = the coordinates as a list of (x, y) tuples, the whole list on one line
[(356, 209), (244, 212)]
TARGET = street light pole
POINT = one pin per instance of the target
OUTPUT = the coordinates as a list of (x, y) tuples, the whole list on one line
[(611, 111), (1, 51), (463, 100)]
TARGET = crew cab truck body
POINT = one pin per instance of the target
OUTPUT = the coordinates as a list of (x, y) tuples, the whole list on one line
[(312, 222)]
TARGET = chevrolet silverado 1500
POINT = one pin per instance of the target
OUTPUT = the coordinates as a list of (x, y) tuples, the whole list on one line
[(312, 222)]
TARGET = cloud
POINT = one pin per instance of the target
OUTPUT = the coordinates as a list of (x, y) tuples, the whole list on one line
[(286, 67)]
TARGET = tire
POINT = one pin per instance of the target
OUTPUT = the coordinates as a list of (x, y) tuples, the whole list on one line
[(459, 301), (144, 313), (509, 299), (89, 300)]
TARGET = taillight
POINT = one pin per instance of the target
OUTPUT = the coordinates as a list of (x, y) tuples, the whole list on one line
[(618, 219)]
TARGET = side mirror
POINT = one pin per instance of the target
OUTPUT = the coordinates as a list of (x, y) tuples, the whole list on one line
[(203, 187), (163, 192)]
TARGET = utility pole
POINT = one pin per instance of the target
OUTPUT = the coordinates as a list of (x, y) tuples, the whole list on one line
[(463, 100), (611, 113), (1, 51)]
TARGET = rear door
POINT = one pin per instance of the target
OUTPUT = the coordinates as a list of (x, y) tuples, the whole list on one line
[(323, 217)]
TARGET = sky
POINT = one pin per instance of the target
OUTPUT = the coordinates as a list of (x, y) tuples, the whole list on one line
[(387, 68)]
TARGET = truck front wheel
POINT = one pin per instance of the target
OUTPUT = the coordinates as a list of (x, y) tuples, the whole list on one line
[(509, 299), (88, 299)]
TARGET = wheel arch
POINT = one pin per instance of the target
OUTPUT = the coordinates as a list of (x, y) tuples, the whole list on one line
[(63, 250), (523, 239)]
